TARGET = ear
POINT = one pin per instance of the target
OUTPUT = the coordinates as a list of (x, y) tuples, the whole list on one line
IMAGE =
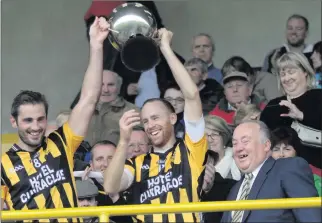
[(13, 122), (250, 89), (204, 76), (268, 145), (173, 118)]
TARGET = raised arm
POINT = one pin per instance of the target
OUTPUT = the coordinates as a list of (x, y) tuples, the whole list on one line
[(193, 108), (92, 83)]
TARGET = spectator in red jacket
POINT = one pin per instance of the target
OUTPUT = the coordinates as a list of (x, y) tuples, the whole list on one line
[(238, 90)]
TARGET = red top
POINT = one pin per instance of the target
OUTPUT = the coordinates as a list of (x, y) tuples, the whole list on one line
[(102, 7), (316, 170), (228, 116)]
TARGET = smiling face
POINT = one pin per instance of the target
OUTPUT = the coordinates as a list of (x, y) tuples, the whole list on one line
[(248, 149), (31, 123), (139, 144), (293, 80), (296, 32), (158, 123), (215, 140)]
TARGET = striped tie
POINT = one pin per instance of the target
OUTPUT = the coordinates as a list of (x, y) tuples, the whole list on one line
[(238, 215)]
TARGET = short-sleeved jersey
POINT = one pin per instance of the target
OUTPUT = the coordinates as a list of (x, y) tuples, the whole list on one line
[(41, 179), (172, 177)]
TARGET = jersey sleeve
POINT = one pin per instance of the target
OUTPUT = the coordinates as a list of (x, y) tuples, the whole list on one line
[(130, 166), (196, 140), (71, 140), (4, 189)]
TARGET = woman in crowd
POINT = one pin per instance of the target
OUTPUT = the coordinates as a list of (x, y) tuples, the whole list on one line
[(301, 105), (221, 172), (174, 95), (286, 143), (317, 63), (219, 135)]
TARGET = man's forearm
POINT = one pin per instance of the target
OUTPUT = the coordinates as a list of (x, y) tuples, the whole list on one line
[(182, 77), (113, 174), (92, 83)]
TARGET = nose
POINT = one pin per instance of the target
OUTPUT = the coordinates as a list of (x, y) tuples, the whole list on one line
[(235, 88), (104, 164), (238, 148), (150, 124), (286, 77), (35, 126), (104, 88), (137, 149)]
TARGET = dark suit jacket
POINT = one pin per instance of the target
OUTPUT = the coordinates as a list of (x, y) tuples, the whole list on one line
[(282, 178)]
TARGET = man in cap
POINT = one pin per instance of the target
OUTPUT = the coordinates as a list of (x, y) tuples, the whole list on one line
[(86, 195), (238, 90)]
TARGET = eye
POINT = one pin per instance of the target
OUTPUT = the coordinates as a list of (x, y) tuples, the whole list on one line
[(245, 141)]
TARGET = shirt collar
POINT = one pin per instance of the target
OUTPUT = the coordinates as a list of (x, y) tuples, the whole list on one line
[(256, 171), (307, 48)]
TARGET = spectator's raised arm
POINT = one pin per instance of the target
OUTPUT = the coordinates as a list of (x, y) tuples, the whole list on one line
[(193, 108), (91, 88)]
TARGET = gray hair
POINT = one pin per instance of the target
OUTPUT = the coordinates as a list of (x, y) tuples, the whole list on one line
[(202, 65), (265, 133), (218, 124), (245, 110), (205, 35)]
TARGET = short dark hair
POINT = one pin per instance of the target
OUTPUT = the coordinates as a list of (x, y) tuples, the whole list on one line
[(167, 104), (288, 136), (101, 142), (27, 97), (170, 86), (298, 16)]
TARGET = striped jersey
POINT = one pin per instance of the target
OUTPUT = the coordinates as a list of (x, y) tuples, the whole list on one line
[(172, 177), (41, 179)]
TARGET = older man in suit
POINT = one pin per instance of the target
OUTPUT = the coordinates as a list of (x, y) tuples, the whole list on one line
[(266, 178)]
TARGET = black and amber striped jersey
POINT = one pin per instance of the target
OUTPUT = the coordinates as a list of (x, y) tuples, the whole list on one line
[(104, 200), (172, 177), (41, 179)]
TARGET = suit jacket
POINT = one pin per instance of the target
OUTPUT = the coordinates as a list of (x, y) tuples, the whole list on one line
[(282, 178)]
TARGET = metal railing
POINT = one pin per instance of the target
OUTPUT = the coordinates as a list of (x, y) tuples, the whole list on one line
[(105, 212)]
